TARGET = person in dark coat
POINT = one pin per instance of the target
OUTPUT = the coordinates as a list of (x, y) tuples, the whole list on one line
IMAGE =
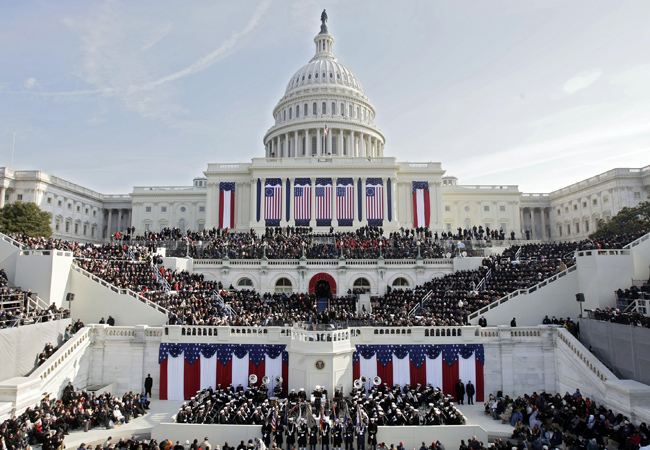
[(313, 437), (291, 434), (372, 434), (303, 431), (470, 390), (325, 435), (460, 392), (148, 384), (337, 435)]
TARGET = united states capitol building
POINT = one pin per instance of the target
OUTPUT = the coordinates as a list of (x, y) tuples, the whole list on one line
[(325, 166)]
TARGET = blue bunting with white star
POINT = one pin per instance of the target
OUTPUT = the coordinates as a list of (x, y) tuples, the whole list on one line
[(192, 352), (418, 353)]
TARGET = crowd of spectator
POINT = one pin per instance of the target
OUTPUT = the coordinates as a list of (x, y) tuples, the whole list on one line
[(15, 307), (566, 421), (47, 423), (49, 349), (448, 300), (617, 316)]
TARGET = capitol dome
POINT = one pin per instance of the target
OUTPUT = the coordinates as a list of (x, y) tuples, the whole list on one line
[(323, 69), (324, 111)]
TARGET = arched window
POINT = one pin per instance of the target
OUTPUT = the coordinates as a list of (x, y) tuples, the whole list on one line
[(245, 282), (358, 112), (284, 115), (333, 111), (400, 282), (306, 110), (283, 286), (314, 109), (350, 111), (297, 111), (181, 225), (290, 112), (342, 109), (324, 108), (334, 148), (314, 146), (362, 284)]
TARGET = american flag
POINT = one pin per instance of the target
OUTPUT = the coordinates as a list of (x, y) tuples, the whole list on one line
[(374, 199), (324, 199), (274, 419), (302, 199), (345, 199), (327, 130), (273, 199)]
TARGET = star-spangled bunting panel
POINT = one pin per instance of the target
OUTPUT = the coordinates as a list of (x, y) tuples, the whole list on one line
[(225, 352), (418, 353)]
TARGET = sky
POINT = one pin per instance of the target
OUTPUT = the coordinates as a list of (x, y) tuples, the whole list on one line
[(115, 94)]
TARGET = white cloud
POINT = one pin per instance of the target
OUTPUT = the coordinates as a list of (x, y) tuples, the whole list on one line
[(156, 37), (582, 81), (114, 68), (30, 83)]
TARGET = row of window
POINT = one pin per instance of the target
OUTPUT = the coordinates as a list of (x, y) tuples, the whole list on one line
[(468, 224), (357, 112), (576, 227), (284, 285), (163, 209), (486, 208), (59, 203), (286, 149), (77, 227), (324, 76), (594, 202)]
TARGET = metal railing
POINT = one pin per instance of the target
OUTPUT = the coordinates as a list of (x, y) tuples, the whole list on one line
[(421, 304), (519, 292), (12, 241), (633, 244)]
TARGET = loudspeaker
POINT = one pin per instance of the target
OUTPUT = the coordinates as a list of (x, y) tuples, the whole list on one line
[(69, 297), (580, 297)]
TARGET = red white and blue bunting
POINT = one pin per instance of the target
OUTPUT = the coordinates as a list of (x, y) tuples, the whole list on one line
[(438, 365), (188, 368)]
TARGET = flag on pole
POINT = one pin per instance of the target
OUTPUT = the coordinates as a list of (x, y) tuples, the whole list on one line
[(226, 205), (302, 202), (327, 130), (421, 204), (345, 201), (273, 202), (323, 202), (374, 201)]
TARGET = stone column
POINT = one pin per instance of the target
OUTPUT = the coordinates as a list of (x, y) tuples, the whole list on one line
[(353, 146), (339, 146), (295, 145), (329, 142), (543, 223), (522, 223), (362, 145), (253, 202), (319, 147), (533, 231), (3, 190), (108, 226)]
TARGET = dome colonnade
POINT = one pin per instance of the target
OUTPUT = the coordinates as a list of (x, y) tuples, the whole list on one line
[(324, 112)]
